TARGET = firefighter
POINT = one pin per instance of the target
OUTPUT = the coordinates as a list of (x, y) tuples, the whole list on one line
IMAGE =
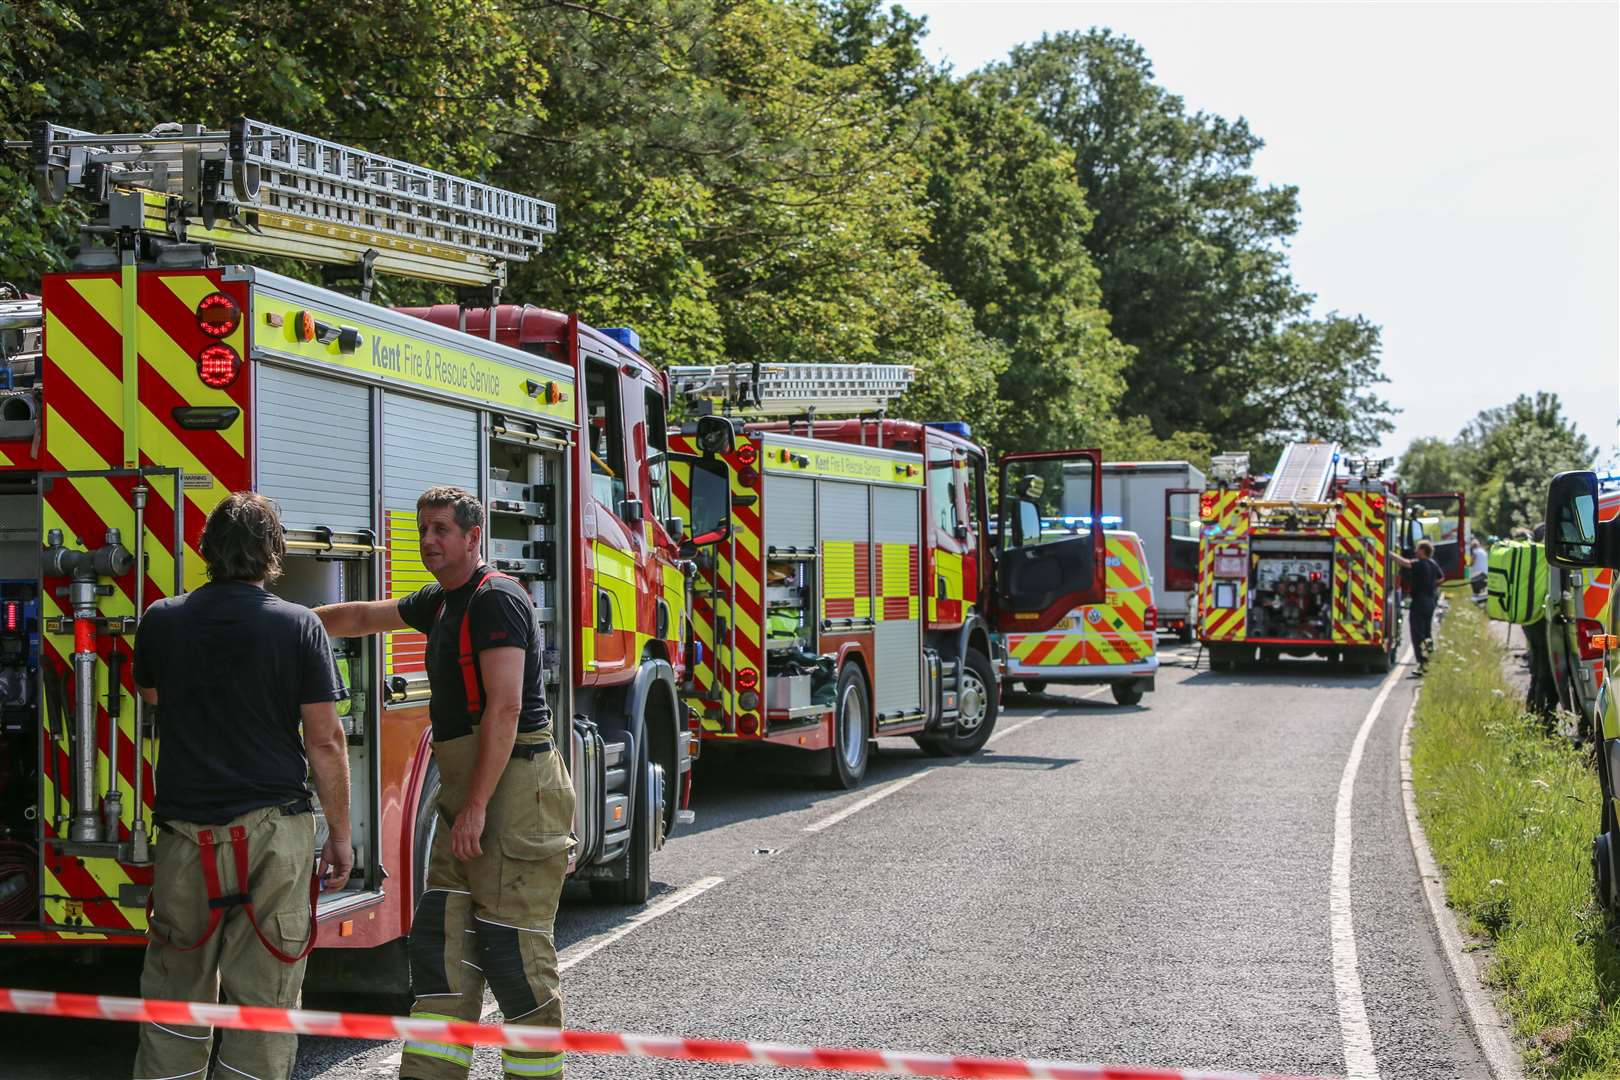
[(234, 670), (1426, 577), (505, 801)]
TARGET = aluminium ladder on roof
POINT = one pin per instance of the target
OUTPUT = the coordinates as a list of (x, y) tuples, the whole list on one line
[(267, 189), (1304, 473), (793, 389)]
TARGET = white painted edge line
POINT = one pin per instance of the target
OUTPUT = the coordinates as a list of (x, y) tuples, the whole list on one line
[(856, 807), (1491, 1030), (574, 954), (1359, 1061), (906, 781), (584, 950)]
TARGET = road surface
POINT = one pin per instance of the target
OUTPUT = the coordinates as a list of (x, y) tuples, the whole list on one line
[(1152, 885)]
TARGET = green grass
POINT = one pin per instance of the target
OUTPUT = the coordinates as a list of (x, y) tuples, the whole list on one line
[(1510, 813)]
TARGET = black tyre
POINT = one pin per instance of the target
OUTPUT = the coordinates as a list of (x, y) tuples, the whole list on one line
[(1034, 686), (1127, 692), (852, 732), (1185, 634), (980, 705), (1378, 662), (647, 816), (427, 825)]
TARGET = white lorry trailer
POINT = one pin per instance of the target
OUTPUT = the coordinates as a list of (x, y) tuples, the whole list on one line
[(1158, 500)]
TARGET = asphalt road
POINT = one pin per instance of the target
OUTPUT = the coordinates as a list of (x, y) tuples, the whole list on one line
[(1145, 885)]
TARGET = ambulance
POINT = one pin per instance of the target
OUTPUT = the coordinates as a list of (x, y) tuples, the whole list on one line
[(1110, 643)]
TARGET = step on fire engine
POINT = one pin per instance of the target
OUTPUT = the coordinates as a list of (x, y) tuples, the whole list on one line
[(847, 587), (1304, 566), (149, 381)]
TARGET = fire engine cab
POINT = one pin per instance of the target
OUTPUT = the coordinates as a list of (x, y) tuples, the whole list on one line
[(847, 586), (149, 381)]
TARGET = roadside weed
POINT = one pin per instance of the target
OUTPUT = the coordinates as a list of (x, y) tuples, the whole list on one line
[(1510, 813)]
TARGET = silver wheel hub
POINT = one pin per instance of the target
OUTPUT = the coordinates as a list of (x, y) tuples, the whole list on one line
[(854, 723), (973, 702)]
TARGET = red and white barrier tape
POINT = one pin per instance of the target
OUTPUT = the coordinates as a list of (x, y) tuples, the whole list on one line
[(389, 1028)]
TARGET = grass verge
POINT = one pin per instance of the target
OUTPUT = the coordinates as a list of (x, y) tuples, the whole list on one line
[(1510, 814)]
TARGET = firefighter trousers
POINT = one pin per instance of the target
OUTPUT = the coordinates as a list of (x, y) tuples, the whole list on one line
[(281, 858), (490, 920)]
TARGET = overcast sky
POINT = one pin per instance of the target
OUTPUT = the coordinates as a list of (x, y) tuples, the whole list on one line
[(1458, 166)]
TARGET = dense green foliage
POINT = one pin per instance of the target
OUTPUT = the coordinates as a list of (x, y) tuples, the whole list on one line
[(1059, 248), (1502, 460)]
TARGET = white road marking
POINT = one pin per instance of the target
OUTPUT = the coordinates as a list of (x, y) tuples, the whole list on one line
[(1359, 1061), (574, 954), (906, 781), (856, 807), (584, 950)]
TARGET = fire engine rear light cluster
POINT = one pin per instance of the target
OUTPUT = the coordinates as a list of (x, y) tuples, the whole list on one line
[(218, 315), (218, 366), (13, 616)]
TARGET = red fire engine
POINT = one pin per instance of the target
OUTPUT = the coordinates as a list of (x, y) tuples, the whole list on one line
[(149, 381), (852, 583)]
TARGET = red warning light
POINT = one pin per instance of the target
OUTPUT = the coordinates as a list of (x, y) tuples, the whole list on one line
[(218, 315), (218, 366), (13, 616)]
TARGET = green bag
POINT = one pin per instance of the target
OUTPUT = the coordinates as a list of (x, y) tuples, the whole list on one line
[(1516, 582)]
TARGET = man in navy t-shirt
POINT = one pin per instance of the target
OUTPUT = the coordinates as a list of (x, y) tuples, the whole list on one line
[(1425, 578)]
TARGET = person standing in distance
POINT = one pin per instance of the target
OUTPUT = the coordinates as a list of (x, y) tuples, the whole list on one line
[(1426, 578), (505, 801), (234, 670), (1479, 567)]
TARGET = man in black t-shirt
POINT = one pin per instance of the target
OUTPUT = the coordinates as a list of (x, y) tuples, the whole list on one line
[(505, 801), (234, 671), (1425, 579)]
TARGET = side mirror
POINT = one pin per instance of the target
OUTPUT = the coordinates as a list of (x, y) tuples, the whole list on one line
[(676, 528), (961, 532), (630, 511), (714, 434), (1575, 538)]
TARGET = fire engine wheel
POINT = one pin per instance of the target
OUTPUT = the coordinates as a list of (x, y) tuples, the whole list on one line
[(979, 708), (848, 755), (1378, 661), (427, 826), (637, 858), (1185, 634)]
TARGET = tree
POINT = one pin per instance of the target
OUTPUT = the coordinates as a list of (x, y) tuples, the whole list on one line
[(1432, 464), (1008, 234), (1192, 251), (1502, 460)]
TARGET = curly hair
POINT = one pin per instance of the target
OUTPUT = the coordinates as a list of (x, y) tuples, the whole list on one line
[(243, 539)]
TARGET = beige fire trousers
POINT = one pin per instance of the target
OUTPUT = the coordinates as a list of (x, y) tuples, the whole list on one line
[(490, 920), (281, 858)]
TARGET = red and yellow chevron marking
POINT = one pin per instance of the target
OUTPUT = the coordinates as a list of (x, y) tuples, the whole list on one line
[(1359, 528), (898, 598), (1227, 529), (106, 409), (1114, 632), (732, 592)]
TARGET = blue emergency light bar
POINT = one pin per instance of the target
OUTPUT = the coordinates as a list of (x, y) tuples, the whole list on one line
[(1109, 521), (959, 428), (624, 336)]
